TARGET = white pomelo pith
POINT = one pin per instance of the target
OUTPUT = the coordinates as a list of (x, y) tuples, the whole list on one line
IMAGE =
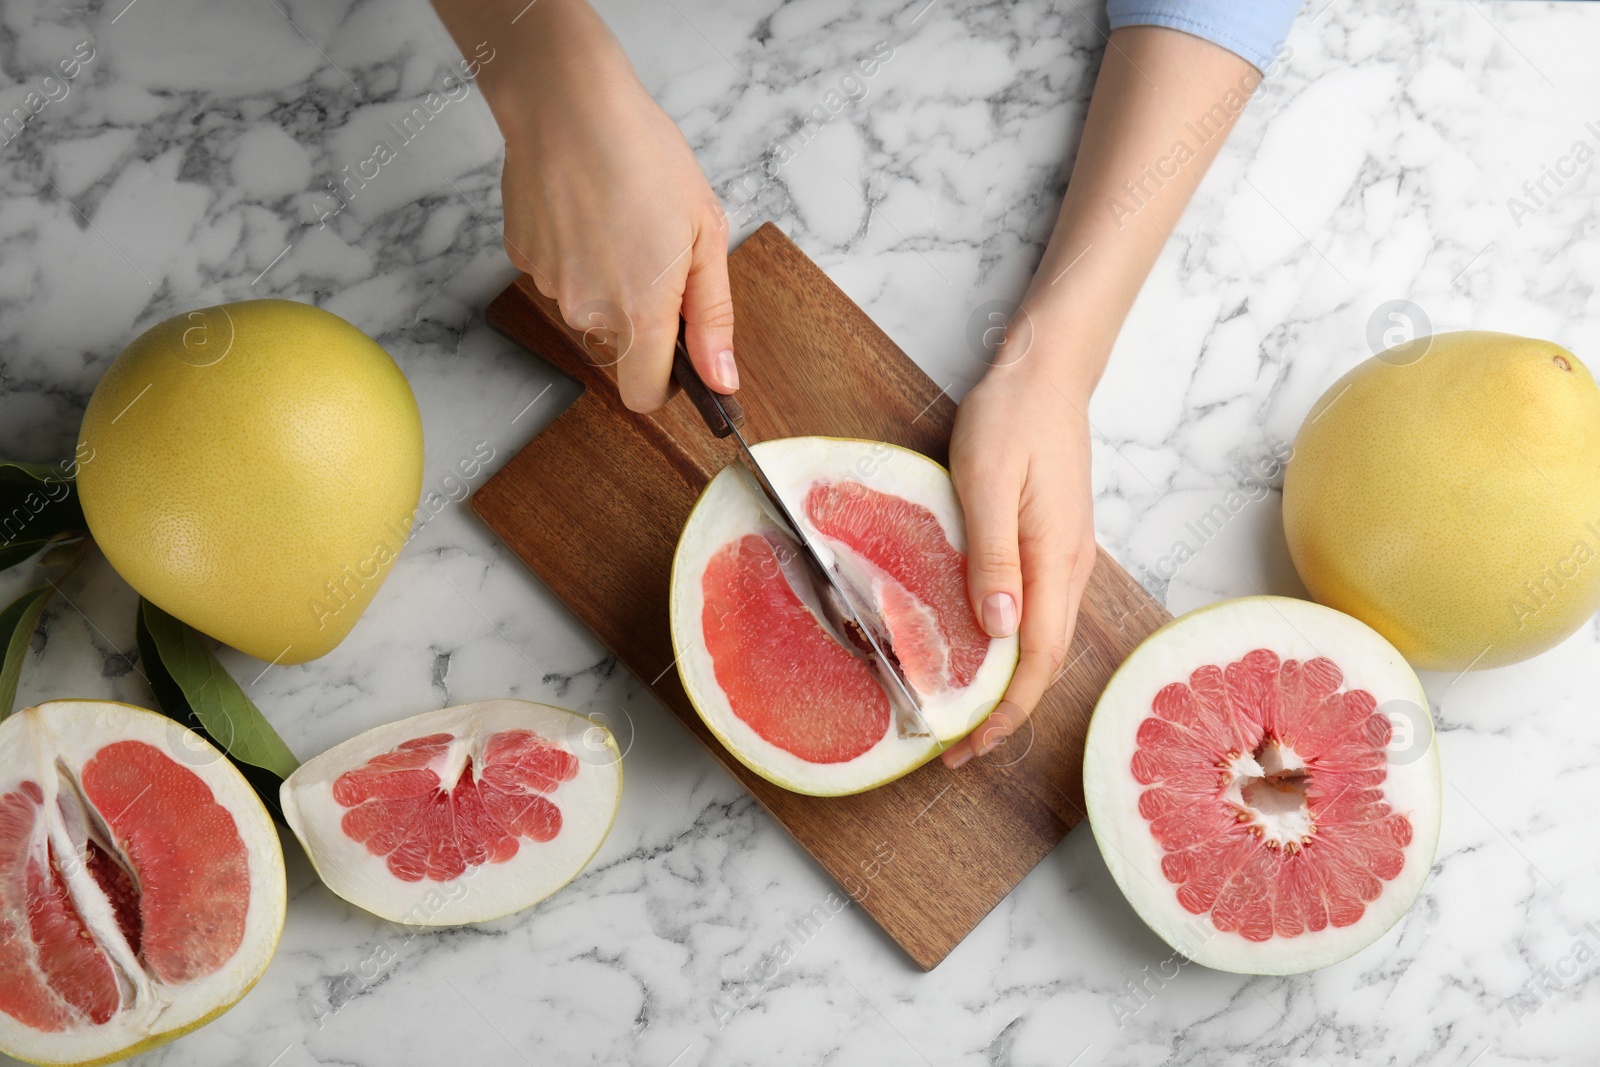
[(458, 815), (777, 683), (1263, 784), (141, 882)]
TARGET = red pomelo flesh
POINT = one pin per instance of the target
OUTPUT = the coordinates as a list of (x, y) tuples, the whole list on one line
[(110, 876), (457, 815), (51, 970), (400, 807), (785, 676), (904, 540), (184, 851), (1223, 858), (917, 639)]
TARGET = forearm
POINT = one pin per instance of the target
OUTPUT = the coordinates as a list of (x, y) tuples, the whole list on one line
[(1162, 106), (549, 48)]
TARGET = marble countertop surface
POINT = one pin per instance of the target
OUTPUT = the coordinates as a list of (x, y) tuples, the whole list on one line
[(186, 163)]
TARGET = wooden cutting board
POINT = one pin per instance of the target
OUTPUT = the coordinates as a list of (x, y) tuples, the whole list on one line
[(594, 505)]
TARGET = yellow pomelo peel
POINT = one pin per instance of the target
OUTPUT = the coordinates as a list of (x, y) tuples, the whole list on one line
[(1447, 493), (254, 469)]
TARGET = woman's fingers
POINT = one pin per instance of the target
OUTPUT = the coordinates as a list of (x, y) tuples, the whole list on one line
[(696, 291), (644, 375), (1049, 563), (708, 308), (1082, 567), (994, 565)]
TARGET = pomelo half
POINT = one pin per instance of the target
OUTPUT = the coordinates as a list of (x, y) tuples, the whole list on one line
[(458, 815), (1263, 784), (773, 678), (141, 882)]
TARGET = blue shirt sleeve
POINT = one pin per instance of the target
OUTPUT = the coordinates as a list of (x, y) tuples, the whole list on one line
[(1251, 29)]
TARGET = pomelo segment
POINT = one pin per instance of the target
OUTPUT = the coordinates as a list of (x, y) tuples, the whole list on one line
[(1250, 793), (458, 815), (920, 578), (141, 882), (774, 679), (786, 675)]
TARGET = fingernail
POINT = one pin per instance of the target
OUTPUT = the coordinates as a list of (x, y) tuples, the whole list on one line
[(992, 740), (1000, 614), (725, 370), (961, 756)]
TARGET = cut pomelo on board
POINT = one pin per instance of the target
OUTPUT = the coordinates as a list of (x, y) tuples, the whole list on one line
[(1263, 784), (141, 882), (458, 815), (778, 683)]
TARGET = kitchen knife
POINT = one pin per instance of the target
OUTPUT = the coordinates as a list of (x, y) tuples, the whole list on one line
[(845, 604)]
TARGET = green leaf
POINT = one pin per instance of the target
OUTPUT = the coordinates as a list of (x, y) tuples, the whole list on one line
[(38, 503), (65, 552), (191, 687), (17, 623), (39, 472), (19, 552)]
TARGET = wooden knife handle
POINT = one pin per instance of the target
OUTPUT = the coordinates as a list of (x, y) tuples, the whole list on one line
[(689, 379)]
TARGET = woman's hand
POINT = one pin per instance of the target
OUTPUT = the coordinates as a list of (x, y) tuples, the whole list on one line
[(1020, 460), (605, 205)]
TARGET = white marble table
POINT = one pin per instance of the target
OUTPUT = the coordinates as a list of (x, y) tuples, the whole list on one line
[(184, 166)]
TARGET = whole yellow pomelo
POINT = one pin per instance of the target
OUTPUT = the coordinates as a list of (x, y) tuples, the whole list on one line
[(1447, 493), (254, 469)]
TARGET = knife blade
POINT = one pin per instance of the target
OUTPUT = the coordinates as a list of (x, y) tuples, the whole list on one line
[(723, 416)]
